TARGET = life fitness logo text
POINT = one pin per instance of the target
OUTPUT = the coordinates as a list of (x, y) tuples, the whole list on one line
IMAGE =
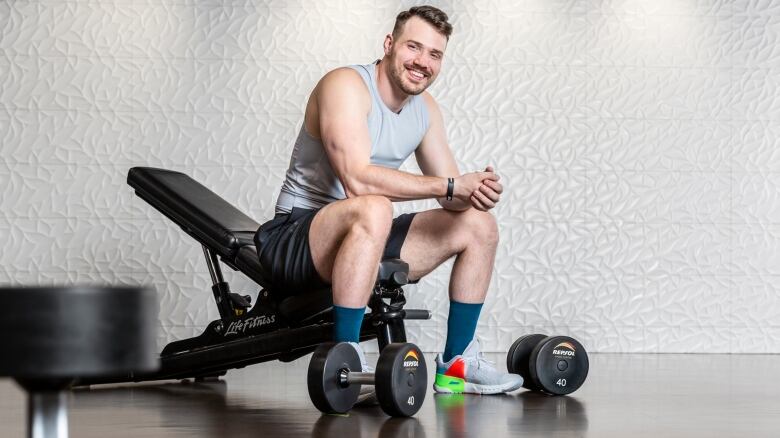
[(411, 359), (569, 349), (237, 327)]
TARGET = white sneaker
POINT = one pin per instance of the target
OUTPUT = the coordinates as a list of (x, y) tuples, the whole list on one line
[(471, 373), (367, 395)]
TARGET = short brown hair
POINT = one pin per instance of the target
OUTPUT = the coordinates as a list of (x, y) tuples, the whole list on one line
[(433, 16)]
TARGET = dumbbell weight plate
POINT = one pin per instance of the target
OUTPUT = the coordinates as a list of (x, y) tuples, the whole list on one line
[(401, 379), (517, 360), (559, 365), (325, 390)]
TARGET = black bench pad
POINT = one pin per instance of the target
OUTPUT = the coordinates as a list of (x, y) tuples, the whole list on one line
[(200, 212)]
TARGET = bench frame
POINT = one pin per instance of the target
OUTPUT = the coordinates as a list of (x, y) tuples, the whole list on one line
[(247, 334)]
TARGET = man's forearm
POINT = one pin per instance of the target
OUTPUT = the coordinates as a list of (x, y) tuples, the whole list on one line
[(454, 205), (396, 185)]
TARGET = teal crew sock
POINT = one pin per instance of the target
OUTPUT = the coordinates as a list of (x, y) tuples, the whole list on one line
[(347, 322), (461, 325)]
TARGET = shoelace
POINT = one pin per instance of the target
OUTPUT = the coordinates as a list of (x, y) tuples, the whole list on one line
[(481, 359)]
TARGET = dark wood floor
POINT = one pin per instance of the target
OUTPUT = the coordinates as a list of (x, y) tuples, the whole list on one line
[(625, 395)]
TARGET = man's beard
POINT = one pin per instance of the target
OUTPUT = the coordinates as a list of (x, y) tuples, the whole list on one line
[(398, 78)]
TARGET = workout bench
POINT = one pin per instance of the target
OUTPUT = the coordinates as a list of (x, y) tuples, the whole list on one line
[(283, 325)]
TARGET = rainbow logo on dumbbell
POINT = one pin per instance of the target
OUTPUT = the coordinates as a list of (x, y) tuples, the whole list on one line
[(557, 350), (414, 361)]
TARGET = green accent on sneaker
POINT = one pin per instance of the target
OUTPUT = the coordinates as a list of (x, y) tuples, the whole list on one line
[(454, 384)]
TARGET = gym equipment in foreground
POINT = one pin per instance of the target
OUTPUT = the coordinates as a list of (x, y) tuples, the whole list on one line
[(556, 365), (335, 376), (51, 336), (282, 324)]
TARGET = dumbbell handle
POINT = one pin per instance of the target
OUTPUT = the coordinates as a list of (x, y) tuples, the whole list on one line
[(416, 314), (351, 377), (404, 314)]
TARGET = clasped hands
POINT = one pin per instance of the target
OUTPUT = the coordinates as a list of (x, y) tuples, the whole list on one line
[(479, 189)]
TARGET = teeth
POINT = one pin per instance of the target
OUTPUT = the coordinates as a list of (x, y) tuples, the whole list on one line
[(416, 74)]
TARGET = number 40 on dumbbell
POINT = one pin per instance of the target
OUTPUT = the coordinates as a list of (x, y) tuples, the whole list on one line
[(557, 365)]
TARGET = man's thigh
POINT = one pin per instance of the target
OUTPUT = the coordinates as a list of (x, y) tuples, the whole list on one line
[(433, 238), (332, 223)]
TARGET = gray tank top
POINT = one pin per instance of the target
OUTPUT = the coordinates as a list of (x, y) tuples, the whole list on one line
[(310, 181)]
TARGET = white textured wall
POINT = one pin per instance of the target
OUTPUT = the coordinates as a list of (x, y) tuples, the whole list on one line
[(638, 142)]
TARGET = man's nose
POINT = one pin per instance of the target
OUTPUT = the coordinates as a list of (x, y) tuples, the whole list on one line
[(421, 62)]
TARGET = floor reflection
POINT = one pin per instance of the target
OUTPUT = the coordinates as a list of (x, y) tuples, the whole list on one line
[(206, 410), (523, 413), (626, 395), (360, 424)]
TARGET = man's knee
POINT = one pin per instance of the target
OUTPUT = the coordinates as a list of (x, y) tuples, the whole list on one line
[(479, 228), (372, 215)]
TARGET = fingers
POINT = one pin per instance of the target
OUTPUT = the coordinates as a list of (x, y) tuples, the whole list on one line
[(489, 176), (489, 193), (496, 187), (483, 200), (490, 170), (476, 203)]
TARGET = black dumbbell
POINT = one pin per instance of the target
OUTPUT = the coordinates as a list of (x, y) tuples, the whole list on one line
[(335, 376), (53, 336), (557, 365)]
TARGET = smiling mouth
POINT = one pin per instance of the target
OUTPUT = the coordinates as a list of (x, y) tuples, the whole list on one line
[(416, 75)]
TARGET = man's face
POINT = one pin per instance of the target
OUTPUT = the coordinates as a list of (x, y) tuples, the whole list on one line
[(415, 56)]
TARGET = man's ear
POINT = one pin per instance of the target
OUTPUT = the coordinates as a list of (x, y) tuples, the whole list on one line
[(388, 43)]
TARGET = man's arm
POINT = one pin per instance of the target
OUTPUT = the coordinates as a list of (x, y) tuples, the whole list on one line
[(343, 103), (434, 155), (435, 158)]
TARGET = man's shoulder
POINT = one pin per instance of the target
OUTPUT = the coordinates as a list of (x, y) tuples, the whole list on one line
[(343, 77), (343, 86), (430, 102)]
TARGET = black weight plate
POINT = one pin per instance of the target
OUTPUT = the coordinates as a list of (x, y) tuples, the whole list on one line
[(559, 364), (325, 389), (517, 359), (77, 331), (401, 379)]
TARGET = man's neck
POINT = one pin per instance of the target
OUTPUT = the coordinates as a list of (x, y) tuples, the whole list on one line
[(393, 97)]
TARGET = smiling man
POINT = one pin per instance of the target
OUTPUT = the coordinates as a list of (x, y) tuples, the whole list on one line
[(334, 216)]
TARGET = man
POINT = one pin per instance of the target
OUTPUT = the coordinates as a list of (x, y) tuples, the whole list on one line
[(334, 218)]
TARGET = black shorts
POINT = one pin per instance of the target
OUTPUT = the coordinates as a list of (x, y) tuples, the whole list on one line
[(283, 247)]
